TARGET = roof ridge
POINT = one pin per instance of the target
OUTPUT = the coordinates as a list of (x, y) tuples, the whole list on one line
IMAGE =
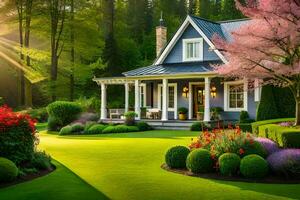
[(233, 20), (204, 19)]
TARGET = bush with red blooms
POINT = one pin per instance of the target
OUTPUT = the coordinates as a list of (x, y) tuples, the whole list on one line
[(232, 140), (17, 136)]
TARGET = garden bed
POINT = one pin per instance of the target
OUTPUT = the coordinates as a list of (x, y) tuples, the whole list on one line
[(271, 179), (29, 177)]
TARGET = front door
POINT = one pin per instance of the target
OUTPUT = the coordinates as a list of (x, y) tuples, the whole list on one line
[(198, 99)]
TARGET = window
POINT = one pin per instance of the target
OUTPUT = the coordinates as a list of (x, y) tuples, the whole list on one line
[(143, 99), (235, 96), (172, 103), (193, 49)]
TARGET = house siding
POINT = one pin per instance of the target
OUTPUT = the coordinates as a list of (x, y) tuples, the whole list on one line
[(175, 56)]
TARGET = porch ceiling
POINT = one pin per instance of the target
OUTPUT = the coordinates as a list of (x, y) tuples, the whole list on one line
[(113, 80)]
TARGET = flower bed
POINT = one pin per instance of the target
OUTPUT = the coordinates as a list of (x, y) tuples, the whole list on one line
[(234, 155)]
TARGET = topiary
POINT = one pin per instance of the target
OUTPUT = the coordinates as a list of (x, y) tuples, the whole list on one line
[(244, 117), (199, 161), (229, 163), (254, 147), (267, 108), (176, 157), (8, 170), (143, 126), (77, 127), (96, 129), (254, 166), (67, 130)]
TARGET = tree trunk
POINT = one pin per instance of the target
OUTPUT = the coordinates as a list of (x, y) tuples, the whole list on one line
[(297, 119), (72, 52), (27, 27), (54, 64), (28, 94)]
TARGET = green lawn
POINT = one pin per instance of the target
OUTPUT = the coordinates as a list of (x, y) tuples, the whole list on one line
[(127, 166)]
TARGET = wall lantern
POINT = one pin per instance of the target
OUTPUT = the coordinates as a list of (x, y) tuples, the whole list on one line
[(213, 91), (185, 91)]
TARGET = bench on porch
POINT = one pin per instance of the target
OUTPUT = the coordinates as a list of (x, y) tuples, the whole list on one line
[(153, 113), (118, 113)]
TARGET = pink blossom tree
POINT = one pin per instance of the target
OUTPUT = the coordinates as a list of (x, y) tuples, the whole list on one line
[(268, 47)]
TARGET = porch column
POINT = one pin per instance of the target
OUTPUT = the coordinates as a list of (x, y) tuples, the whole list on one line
[(165, 97), (137, 108), (103, 102), (126, 97), (207, 99)]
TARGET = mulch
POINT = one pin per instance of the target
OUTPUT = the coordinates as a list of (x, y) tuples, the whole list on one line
[(28, 177), (272, 179)]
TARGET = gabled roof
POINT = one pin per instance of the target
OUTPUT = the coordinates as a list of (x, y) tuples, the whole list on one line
[(174, 68)]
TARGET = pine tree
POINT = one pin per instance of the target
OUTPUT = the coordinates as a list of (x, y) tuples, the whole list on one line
[(229, 10)]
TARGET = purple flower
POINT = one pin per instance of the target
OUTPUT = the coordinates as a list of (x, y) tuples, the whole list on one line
[(286, 161), (286, 124), (269, 145)]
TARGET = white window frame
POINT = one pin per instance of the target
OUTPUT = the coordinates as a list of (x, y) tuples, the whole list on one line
[(226, 96), (143, 104), (184, 49), (159, 103)]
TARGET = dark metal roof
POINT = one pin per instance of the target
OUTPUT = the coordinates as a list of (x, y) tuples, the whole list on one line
[(174, 68)]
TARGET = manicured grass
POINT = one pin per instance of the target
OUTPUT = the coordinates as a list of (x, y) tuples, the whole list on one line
[(127, 166), (62, 184)]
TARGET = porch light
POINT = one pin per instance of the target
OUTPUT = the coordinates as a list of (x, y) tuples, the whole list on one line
[(213, 91), (185, 91)]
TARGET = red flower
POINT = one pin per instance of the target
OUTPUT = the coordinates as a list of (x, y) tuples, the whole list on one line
[(241, 151)]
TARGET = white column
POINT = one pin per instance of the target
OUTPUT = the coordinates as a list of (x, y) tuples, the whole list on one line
[(190, 101), (137, 108), (103, 102), (165, 97), (257, 90), (207, 100), (126, 97)]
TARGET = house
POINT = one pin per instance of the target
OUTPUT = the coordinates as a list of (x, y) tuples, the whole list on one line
[(182, 75)]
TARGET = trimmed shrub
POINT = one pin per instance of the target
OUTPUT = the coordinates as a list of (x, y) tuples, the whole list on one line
[(40, 114), (143, 126), (244, 117), (120, 129), (254, 166), (229, 164), (54, 124), (89, 105), (246, 127), (96, 129), (8, 170), (269, 145), (41, 160), (254, 147), (287, 137), (256, 125), (67, 130), (87, 126), (285, 102), (183, 110), (130, 118), (286, 162), (65, 112), (199, 161), (267, 108), (176, 157), (77, 128), (199, 126)]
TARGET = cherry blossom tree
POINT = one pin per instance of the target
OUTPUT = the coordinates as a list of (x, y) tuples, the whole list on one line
[(267, 47)]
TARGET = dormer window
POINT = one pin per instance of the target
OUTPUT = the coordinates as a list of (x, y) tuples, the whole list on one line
[(193, 49)]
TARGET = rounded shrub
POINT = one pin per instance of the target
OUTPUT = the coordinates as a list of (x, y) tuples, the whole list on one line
[(176, 157), (54, 124), (67, 130), (254, 147), (77, 127), (65, 112), (41, 160), (96, 129), (229, 163), (143, 126), (120, 129), (130, 118), (87, 126), (254, 166), (8, 170), (199, 161)]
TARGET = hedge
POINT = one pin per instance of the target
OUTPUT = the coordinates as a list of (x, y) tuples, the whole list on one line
[(255, 125), (246, 127), (287, 137), (120, 129), (267, 108)]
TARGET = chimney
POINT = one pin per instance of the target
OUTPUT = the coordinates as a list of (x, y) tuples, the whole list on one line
[(161, 36)]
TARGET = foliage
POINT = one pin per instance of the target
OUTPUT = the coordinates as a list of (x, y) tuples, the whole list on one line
[(77, 127), (284, 136), (254, 166), (182, 110), (199, 161), (244, 117), (143, 126), (229, 164), (256, 125), (54, 124), (269, 145), (253, 147), (8, 170), (87, 126), (285, 102), (286, 162), (85, 117), (67, 130), (130, 118), (89, 105), (176, 157), (198, 126), (246, 127), (120, 129), (39, 114), (17, 136), (216, 111), (96, 129), (41, 160)]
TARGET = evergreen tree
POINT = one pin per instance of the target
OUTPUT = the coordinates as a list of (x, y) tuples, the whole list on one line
[(229, 10)]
